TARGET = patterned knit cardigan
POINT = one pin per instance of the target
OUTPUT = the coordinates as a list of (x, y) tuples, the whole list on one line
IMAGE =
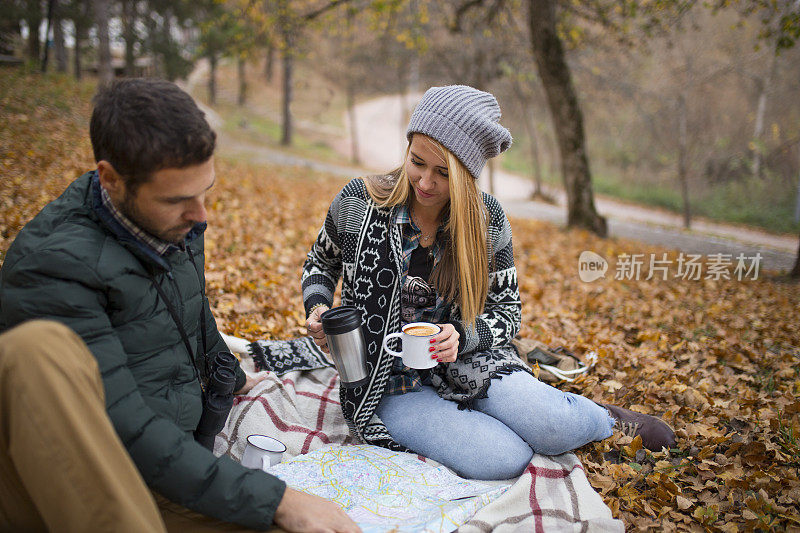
[(360, 243)]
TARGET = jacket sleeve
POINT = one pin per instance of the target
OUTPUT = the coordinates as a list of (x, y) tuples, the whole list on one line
[(323, 265), (58, 286), (502, 314)]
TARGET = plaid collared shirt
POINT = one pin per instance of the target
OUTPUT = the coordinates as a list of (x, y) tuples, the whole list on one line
[(403, 378), (159, 246)]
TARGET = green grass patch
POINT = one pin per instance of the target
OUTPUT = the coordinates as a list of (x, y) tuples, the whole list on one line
[(766, 203), (642, 193), (244, 125), (517, 160)]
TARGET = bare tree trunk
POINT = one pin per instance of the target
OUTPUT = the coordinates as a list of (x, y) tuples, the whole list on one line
[(764, 86), (288, 30), (490, 164), (797, 202), (533, 145), (351, 114), (33, 18), (105, 74), (683, 167), (408, 80), (405, 105), (34, 46), (567, 116), (80, 38), (350, 93), (796, 270), (166, 66), (128, 33), (269, 63), (51, 6), (150, 42), (413, 76), (212, 78), (242, 74), (288, 67), (59, 47)]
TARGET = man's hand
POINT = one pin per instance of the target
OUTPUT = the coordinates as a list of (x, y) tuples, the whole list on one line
[(249, 383), (299, 512), (314, 326)]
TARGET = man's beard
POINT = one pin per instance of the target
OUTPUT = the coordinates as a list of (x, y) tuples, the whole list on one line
[(129, 209)]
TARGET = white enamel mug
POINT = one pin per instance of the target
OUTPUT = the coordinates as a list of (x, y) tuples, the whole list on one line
[(262, 452), (416, 344)]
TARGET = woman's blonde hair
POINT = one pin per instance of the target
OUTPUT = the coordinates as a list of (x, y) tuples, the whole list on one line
[(462, 274)]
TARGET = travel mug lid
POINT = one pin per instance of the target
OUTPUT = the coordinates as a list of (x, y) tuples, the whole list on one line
[(342, 319)]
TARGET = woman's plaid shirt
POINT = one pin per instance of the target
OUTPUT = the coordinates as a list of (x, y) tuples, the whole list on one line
[(403, 378)]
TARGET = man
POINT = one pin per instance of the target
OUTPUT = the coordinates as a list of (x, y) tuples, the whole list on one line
[(118, 259)]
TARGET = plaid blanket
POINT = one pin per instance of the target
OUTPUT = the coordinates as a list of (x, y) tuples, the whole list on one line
[(552, 494), (301, 408)]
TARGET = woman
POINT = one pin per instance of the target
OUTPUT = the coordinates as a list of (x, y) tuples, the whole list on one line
[(424, 244)]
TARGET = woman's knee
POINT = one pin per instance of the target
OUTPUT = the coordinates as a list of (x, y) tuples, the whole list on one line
[(472, 443), (551, 421), (507, 459)]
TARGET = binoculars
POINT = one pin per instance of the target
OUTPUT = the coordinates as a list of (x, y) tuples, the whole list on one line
[(218, 399)]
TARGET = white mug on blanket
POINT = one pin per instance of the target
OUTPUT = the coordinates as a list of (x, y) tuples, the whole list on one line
[(262, 452)]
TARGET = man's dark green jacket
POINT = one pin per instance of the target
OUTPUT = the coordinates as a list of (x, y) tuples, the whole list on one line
[(73, 263)]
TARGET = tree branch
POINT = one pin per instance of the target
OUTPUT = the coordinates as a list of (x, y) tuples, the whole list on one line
[(469, 5), (327, 7), (461, 11)]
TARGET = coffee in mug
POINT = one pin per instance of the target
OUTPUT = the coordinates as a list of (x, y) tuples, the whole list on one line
[(416, 344), (421, 331)]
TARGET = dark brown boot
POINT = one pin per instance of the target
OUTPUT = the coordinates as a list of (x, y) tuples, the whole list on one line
[(654, 431)]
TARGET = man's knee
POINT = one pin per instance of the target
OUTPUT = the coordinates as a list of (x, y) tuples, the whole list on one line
[(43, 342), (28, 334)]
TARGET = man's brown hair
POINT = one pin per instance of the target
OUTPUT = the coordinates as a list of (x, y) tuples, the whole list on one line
[(142, 125)]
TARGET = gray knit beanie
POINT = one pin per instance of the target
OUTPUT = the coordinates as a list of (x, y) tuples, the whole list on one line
[(465, 121)]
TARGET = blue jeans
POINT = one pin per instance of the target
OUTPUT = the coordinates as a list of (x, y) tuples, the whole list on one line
[(496, 440)]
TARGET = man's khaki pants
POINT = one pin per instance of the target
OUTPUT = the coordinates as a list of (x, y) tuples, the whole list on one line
[(62, 465)]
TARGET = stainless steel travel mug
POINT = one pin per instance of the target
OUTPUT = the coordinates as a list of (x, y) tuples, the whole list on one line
[(342, 327)]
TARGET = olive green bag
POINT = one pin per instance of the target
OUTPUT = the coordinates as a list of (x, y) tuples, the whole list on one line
[(552, 364)]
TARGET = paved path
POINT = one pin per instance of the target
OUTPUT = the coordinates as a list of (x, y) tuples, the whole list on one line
[(252, 152), (381, 135), (381, 126), (256, 153)]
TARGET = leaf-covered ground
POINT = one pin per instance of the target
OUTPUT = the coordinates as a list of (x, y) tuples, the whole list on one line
[(718, 359)]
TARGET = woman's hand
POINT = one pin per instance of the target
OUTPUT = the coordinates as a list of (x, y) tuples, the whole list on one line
[(445, 344), (251, 382), (314, 327)]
